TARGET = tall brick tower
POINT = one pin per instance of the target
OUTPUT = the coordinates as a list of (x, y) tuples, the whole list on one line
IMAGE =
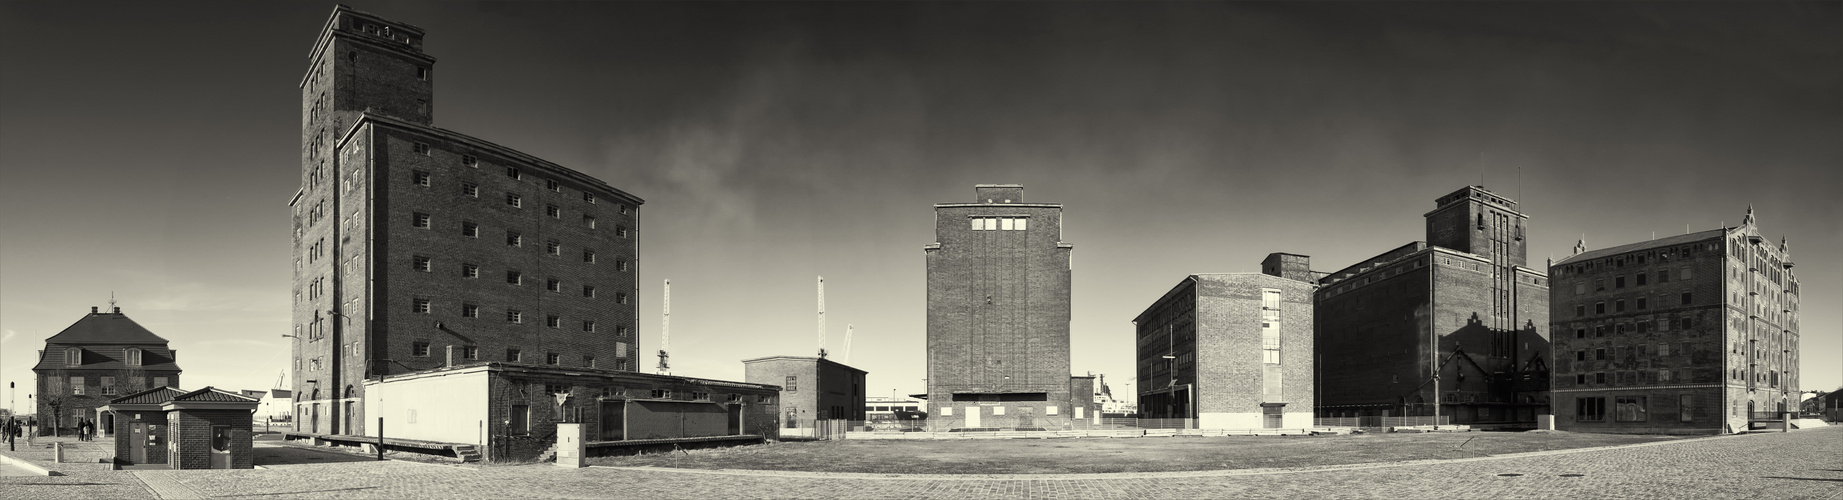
[(417, 247), (998, 312)]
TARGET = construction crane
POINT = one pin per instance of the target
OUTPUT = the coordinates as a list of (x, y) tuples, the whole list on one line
[(848, 328), (822, 317), (279, 377), (665, 332)]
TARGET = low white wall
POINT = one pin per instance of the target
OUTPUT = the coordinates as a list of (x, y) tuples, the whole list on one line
[(447, 408)]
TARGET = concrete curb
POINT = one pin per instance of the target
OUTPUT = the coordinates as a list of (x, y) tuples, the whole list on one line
[(28, 466), (1144, 475)]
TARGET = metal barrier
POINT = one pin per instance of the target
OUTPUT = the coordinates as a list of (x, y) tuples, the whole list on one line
[(1379, 421)]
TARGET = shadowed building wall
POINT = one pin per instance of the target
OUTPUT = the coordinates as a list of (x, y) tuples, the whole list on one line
[(1458, 320)]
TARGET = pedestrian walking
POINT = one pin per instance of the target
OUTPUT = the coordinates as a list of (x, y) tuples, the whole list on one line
[(83, 429)]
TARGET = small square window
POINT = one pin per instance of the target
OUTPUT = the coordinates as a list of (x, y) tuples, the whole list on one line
[(588, 291), (588, 197), (620, 298), (470, 311), (588, 361), (421, 148), (470, 189), (419, 177), (553, 211), (662, 394), (514, 316), (421, 263), (589, 221), (588, 325), (470, 229), (553, 285), (420, 220), (470, 160), (588, 256), (419, 306), (620, 265), (419, 349), (470, 352), (514, 278), (553, 358), (514, 239), (553, 247), (553, 185), (1686, 297), (513, 356), (513, 200), (620, 231), (553, 322), (514, 173), (422, 73), (470, 271), (623, 208)]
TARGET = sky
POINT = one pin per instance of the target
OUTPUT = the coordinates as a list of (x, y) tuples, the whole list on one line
[(148, 150)]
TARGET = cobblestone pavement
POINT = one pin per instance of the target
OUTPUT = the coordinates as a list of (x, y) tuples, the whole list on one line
[(1801, 464)]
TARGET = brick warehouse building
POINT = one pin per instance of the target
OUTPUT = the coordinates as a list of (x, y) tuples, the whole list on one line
[(101, 357), (1233, 351), (812, 388), (1684, 334), (998, 314), (412, 240), (1463, 305)]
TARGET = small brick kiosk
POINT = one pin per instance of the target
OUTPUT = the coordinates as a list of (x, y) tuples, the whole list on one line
[(140, 426), (210, 429)]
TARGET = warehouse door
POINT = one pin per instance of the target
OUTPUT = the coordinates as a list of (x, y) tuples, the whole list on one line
[(614, 415)]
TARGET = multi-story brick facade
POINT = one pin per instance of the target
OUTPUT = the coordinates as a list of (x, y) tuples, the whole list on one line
[(998, 313), (1233, 351), (101, 357), (1685, 334), (1456, 325), (812, 388), (411, 240)]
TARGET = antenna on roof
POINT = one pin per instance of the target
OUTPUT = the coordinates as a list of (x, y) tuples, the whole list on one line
[(112, 300)]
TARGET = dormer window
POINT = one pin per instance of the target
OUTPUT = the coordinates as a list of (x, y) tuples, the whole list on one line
[(134, 357), (73, 356)]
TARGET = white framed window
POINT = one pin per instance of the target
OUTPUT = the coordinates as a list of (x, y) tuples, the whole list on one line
[(134, 356), (420, 220), (514, 200), (76, 385), (419, 177), (619, 231), (470, 189), (514, 239), (514, 316), (588, 256), (588, 197), (588, 325), (73, 356), (470, 311), (554, 247), (419, 306), (588, 291), (514, 278), (588, 221), (470, 160), (514, 173), (553, 211), (421, 263), (553, 185), (421, 148), (470, 229), (470, 271), (553, 322), (552, 285)]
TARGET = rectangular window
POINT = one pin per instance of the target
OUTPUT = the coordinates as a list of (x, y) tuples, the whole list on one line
[(421, 148), (588, 325), (1663, 276), (470, 229), (1631, 409), (620, 231), (1599, 354), (470, 311), (620, 265), (76, 386), (1599, 284), (108, 385), (1619, 282), (588, 361), (422, 73), (1599, 378), (134, 357), (1580, 288), (514, 239), (470, 352), (1641, 303), (588, 221), (553, 285), (470, 160), (588, 256), (1686, 297), (420, 219), (1687, 323), (1685, 405), (1619, 305), (1599, 308), (1683, 274), (793, 384), (588, 291), (1580, 355), (553, 247), (553, 211), (513, 200), (421, 263), (514, 173), (1663, 375), (514, 278), (588, 197), (513, 356), (159, 381), (1590, 409), (553, 185), (470, 271), (419, 177), (1640, 279), (553, 322), (470, 189), (622, 208), (520, 419), (553, 358), (419, 349), (513, 316), (419, 306), (1580, 333), (620, 298)]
